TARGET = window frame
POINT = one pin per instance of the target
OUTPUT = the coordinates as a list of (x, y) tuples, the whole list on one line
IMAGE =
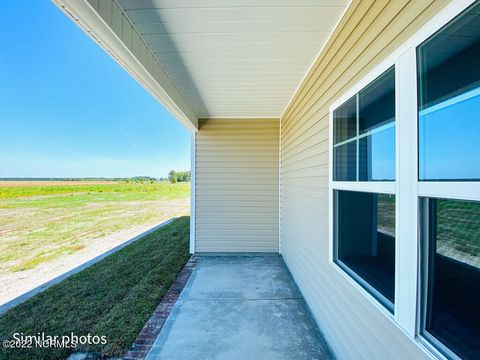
[(407, 188), (379, 187), (365, 134)]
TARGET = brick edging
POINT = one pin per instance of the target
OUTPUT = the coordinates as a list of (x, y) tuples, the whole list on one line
[(144, 341)]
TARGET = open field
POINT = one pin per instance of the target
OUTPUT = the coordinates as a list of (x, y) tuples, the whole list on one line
[(113, 298), (17, 189), (48, 228), (34, 183)]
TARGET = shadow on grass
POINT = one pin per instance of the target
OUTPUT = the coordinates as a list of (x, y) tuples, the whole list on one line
[(112, 298)]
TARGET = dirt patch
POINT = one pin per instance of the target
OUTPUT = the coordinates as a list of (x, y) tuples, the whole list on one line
[(14, 284)]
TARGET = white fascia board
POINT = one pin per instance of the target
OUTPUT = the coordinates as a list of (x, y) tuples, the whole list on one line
[(159, 85)]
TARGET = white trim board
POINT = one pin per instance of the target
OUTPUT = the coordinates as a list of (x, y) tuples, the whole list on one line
[(280, 182), (192, 191)]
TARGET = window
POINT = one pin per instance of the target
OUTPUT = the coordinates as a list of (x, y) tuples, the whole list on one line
[(365, 240), (404, 183), (364, 153), (448, 70), (364, 133), (449, 101), (452, 274)]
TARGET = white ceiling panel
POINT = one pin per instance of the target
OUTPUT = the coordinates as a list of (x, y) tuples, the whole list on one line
[(179, 4), (235, 58)]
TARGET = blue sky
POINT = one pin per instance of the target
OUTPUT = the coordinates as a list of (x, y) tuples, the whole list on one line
[(68, 110)]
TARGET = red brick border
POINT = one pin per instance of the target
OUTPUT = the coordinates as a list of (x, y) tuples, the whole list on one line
[(144, 341)]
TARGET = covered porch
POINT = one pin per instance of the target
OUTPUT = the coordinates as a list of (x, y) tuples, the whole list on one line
[(258, 84)]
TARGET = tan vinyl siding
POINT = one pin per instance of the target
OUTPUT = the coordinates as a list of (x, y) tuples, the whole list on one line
[(369, 31), (236, 189)]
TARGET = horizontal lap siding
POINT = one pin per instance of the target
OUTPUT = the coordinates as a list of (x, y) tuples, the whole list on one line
[(368, 32), (237, 191)]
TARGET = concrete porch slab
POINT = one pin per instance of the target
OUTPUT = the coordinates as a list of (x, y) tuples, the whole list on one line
[(240, 307)]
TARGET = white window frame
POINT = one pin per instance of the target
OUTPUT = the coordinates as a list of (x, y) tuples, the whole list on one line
[(406, 187), (379, 187)]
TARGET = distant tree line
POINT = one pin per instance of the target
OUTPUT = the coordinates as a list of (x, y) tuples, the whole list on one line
[(126, 179), (173, 177), (180, 176)]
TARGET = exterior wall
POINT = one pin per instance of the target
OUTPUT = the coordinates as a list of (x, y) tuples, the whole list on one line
[(236, 185), (369, 31)]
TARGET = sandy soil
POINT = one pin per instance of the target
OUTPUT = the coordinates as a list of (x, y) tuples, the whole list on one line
[(15, 284)]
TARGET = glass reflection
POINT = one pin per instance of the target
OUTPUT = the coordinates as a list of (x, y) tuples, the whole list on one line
[(453, 309), (365, 240), (377, 156), (449, 139)]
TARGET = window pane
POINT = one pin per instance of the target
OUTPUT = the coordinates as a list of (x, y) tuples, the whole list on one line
[(453, 305), (345, 121), (449, 142), (365, 241), (345, 159), (372, 135), (449, 101), (377, 156), (377, 103)]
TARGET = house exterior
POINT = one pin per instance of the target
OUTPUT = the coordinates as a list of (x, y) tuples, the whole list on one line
[(319, 131)]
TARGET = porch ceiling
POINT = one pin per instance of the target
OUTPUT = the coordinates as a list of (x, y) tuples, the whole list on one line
[(235, 58)]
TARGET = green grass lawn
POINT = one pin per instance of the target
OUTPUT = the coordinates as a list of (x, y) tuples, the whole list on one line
[(131, 190), (114, 297), (69, 217)]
